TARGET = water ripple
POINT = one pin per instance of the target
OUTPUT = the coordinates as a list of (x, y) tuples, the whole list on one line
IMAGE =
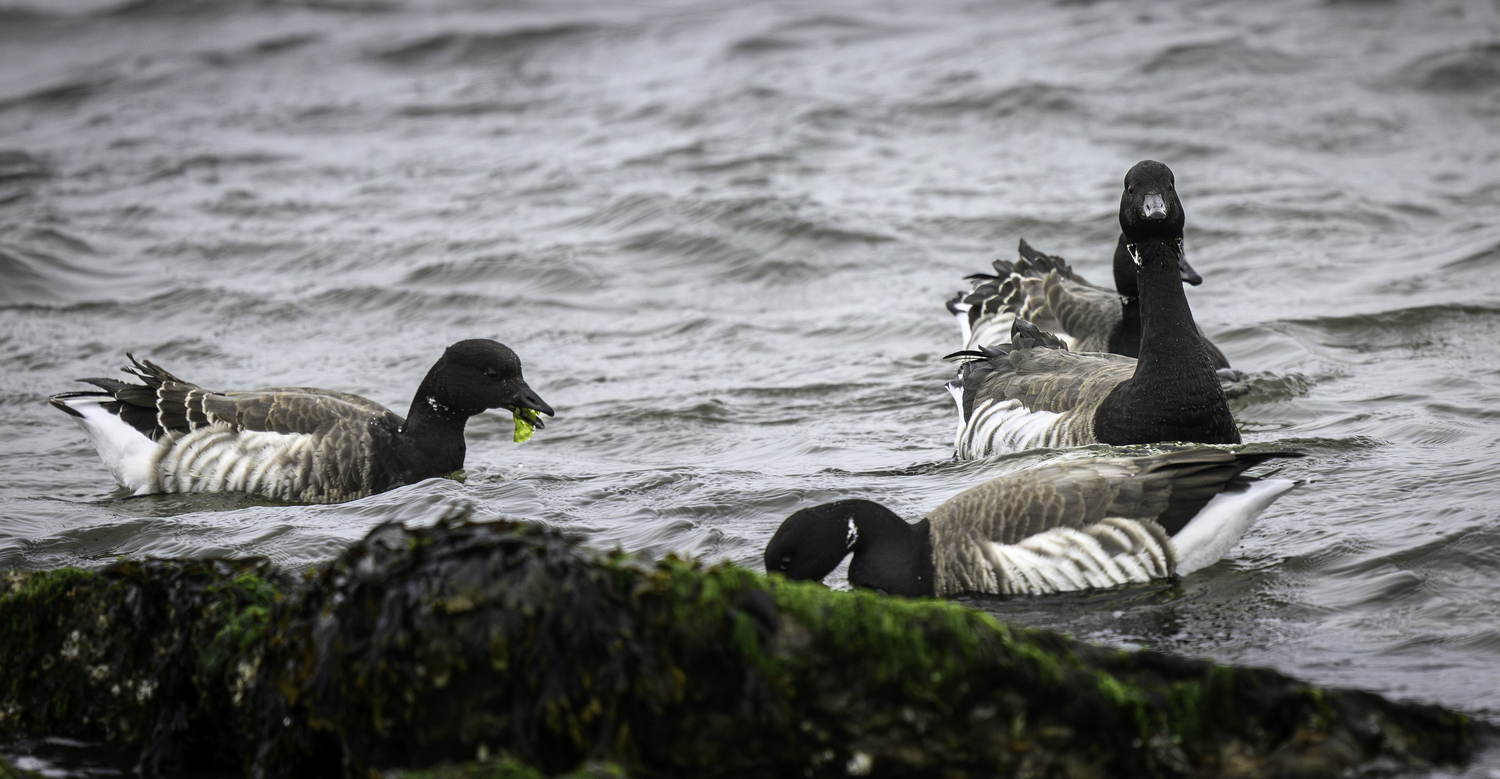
[(1222, 58), (484, 48), (1474, 68)]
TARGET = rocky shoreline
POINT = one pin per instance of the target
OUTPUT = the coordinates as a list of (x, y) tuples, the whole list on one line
[(506, 649)]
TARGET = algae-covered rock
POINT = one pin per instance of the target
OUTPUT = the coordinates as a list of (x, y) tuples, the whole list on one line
[(138, 653), (421, 647)]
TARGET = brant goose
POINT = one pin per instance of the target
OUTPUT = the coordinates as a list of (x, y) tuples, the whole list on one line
[(1044, 290), (1035, 392), (1054, 528), (296, 443)]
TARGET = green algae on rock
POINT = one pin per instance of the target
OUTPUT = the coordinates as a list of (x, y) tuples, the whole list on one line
[(418, 647)]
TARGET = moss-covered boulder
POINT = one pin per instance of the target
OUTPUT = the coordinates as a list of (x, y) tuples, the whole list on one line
[(417, 648), (138, 653)]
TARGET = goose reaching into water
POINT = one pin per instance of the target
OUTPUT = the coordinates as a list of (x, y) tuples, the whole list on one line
[(296, 443), (1054, 528), (1035, 392), (1044, 290)]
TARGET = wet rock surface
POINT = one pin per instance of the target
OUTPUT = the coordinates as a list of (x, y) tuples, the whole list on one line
[(138, 653), (462, 641)]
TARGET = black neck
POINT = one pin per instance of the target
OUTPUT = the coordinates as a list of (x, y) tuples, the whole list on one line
[(1175, 393), (432, 439), (1124, 268), (1169, 337), (1126, 339), (892, 556)]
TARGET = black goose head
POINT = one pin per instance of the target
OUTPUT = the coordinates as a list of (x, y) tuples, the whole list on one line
[(813, 541), (889, 554), (1149, 208), (476, 375)]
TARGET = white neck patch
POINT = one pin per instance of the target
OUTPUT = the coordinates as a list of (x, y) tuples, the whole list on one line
[(853, 537), (1135, 256)]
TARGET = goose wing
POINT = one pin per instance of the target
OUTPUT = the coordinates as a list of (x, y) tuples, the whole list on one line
[(304, 410), (1031, 262), (987, 313), (1019, 289), (291, 443), (1087, 313), (166, 406), (1080, 524), (1038, 370), (1031, 392), (1061, 301)]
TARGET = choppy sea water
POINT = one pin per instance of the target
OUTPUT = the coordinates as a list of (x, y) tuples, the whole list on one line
[(720, 234)]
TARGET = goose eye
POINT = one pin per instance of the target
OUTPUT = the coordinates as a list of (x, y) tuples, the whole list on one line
[(785, 561), (493, 373)]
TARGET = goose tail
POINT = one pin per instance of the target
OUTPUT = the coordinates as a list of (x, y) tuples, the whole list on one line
[(1218, 527), (129, 454), (959, 307)]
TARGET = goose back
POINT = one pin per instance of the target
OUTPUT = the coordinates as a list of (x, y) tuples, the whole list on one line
[(1029, 393), (1098, 522), (287, 443), (1064, 526), (1044, 290)]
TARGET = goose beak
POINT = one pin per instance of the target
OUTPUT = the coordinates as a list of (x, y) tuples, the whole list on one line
[(527, 398), (1154, 207), (1189, 276)]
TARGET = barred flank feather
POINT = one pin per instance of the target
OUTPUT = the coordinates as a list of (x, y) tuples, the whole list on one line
[(1098, 523), (1030, 393)]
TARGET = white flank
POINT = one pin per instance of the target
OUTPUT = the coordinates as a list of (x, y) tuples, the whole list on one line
[(1064, 559), (219, 459), (1005, 426), (128, 454), (1218, 527)]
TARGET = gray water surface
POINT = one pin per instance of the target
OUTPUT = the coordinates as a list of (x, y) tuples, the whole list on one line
[(720, 234)]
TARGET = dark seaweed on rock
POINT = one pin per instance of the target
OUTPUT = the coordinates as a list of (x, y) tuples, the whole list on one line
[(139, 653), (419, 647), (415, 647)]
